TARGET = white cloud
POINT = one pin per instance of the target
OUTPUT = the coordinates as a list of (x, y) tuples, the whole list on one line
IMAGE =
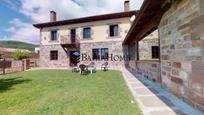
[(135, 4), (23, 32), (38, 12), (66, 9)]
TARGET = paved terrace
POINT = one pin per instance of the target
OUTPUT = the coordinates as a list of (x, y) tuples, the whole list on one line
[(154, 100)]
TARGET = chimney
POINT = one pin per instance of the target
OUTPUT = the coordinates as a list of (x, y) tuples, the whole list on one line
[(53, 17), (126, 5)]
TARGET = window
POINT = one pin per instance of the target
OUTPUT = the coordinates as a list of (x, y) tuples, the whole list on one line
[(104, 53), (87, 33), (53, 35), (100, 54), (96, 54), (155, 52), (53, 55), (114, 30)]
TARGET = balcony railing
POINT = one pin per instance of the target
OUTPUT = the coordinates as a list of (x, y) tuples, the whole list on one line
[(69, 39)]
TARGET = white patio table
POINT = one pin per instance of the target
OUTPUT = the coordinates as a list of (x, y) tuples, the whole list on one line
[(91, 69)]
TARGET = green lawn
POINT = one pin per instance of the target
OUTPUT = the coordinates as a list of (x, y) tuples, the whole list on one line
[(60, 92)]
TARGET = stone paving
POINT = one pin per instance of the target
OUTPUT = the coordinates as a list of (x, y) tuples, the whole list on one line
[(153, 100)]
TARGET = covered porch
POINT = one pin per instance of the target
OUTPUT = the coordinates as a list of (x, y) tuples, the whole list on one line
[(146, 55), (181, 51)]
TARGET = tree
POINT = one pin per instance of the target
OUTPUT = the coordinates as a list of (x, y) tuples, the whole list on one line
[(20, 55), (173, 2), (1, 55)]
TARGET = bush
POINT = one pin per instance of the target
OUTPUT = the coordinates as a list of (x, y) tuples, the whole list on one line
[(173, 2), (1, 55), (20, 55)]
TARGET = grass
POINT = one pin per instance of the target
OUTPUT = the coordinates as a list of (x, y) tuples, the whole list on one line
[(60, 92)]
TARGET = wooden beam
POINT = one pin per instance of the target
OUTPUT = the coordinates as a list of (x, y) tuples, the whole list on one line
[(149, 24), (137, 50), (152, 24), (142, 10)]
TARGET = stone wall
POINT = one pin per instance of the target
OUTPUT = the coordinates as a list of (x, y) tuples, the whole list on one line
[(14, 66), (114, 47), (17, 65), (63, 57), (181, 34), (149, 70), (145, 46), (132, 53), (145, 69)]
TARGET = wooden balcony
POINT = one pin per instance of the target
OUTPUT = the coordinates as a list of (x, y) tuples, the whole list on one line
[(70, 41)]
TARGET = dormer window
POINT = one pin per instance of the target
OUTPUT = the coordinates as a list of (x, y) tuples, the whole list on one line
[(114, 30), (87, 33), (53, 35)]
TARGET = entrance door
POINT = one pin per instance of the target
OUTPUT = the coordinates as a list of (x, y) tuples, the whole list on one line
[(73, 35), (74, 58)]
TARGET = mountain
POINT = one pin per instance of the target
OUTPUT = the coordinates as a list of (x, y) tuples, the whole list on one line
[(17, 44)]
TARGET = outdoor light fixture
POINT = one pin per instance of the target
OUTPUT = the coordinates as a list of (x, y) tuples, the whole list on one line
[(132, 19)]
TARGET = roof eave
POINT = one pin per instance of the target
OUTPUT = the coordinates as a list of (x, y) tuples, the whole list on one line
[(152, 22), (86, 19)]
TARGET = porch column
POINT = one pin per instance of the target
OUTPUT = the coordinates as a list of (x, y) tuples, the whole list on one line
[(137, 57), (136, 52)]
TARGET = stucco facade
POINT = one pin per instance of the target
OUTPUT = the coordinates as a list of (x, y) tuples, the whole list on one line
[(99, 31)]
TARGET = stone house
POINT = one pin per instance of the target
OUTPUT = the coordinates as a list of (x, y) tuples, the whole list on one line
[(96, 38), (180, 68)]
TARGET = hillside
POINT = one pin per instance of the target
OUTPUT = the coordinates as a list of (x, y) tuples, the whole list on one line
[(17, 44)]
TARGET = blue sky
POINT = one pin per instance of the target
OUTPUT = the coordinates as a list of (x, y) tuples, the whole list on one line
[(7, 13), (17, 16)]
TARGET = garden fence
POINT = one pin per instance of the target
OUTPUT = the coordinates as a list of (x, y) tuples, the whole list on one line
[(9, 66)]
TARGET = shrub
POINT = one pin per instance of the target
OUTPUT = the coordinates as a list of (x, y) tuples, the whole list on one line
[(20, 55), (1, 55), (173, 2)]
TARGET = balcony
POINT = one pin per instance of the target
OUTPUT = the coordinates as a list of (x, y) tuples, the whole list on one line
[(70, 41)]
